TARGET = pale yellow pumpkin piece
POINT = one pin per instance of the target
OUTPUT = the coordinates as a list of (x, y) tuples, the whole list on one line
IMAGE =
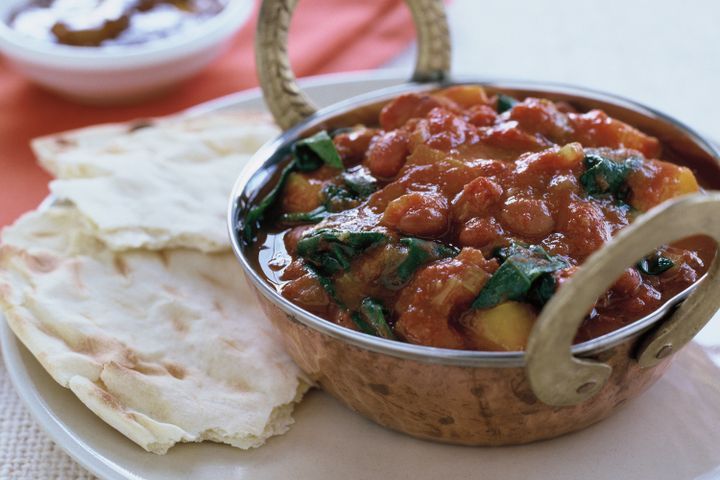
[(503, 327), (659, 181)]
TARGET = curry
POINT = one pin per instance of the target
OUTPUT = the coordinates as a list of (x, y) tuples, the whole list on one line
[(455, 218)]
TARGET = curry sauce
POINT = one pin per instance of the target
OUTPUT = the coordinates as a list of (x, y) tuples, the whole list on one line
[(455, 218)]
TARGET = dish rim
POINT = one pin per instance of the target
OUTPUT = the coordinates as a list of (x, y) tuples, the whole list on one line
[(265, 158)]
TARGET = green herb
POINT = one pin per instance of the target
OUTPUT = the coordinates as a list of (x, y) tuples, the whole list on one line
[(313, 216), (605, 176), (542, 290), (312, 152), (521, 267), (505, 103), (329, 250), (370, 319), (517, 248), (336, 198), (655, 264), (328, 286), (374, 315), (309, 154), (415, 253), (364, 326), (360, 182), (326, 283), (256, 214)]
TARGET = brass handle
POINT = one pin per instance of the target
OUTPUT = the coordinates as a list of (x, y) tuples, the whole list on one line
[(283, 97), (558, 378)]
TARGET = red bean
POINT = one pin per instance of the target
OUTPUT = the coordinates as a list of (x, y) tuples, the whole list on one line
[(476, 199), (481, 115), (585, 228), (352, 145), (387, 154), (307, 292), (480, 233), (420, 214), (437, 292), (527, 216), (411, 105), (541, 116), (292, 237)]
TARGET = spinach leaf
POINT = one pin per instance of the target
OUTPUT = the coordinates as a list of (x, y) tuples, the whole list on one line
[(542, 290), (326, 283), (505, 103), (655, 264), (336, 198), (313, 216), (522, 266), (256, 214), (330, 250), (370, 319), (359, 182), (605, 176), (364, 326), (515, 247), (416, 252), (373, 313), (310, 153)]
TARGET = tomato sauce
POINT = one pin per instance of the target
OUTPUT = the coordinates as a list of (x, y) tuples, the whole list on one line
[(453, 219)]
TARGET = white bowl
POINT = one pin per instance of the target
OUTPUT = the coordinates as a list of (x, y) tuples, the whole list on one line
[(120, 74)]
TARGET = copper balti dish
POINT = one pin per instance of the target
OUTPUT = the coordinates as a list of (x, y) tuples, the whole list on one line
[(477, 397)]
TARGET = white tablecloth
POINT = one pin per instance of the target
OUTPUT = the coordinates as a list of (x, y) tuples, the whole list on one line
[(26, 453), (661, 52)]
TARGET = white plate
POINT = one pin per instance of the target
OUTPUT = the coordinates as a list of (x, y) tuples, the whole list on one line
[(671, 432)]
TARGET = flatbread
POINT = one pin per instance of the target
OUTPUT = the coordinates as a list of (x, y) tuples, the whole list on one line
[(102, 149), (166, 346), (156, 184)]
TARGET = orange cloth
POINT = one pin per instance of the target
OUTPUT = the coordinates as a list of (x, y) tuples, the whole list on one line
[(326, 36)]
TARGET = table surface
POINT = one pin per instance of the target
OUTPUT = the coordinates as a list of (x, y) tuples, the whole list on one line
[(663, 53)]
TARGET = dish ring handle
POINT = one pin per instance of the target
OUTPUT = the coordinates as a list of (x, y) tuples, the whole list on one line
[(288, 104), (558, 378)]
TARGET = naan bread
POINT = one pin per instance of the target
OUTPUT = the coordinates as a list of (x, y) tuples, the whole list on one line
[(103, 149), (166, 346), (156, 184)]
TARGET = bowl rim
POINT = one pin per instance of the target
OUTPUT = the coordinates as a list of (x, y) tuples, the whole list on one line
[(422, 353), (123, 57)]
